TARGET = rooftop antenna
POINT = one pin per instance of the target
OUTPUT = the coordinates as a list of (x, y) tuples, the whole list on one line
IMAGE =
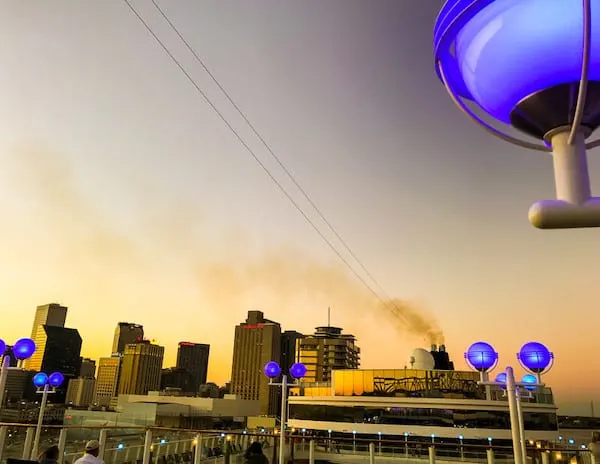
[(328, 316)]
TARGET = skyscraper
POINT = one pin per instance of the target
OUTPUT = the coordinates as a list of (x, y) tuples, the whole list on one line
[(51, 314), (80, 392), (107, 380), (257, 341), (289, 348), (88, 368), (141, 368), (326, 350), (126, 333), (193, 357)]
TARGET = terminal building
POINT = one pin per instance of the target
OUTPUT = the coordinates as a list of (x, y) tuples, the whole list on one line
[(428, 399)]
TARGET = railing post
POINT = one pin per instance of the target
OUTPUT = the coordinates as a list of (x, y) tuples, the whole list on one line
[(371, 453), (28, 443), (62, 443), (432, 455), (490, 456), (147, 447), (546, 457), (3, 432), (311, 452), (198, 450), (102, 443)]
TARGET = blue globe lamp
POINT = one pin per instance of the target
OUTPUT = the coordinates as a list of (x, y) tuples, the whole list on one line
[(501, 379), (530, 381), (24, 348), (272, 370), (298, 370), (56, 379), (2, 349), (481, 356), (40, 380), (532, 67), (535, 357)]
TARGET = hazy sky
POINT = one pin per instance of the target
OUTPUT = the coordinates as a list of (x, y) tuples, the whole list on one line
[(124, 197)]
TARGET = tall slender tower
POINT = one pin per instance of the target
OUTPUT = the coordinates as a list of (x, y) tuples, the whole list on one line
[(257, 341), (141, 368), (126, 333), (51, 314)]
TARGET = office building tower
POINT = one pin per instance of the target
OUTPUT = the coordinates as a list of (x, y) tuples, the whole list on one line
[(88, 368), (141, 368), (51, 314), (178, 379), (289, 348), (80, 392), (107, 380), (328, 349), (126, 333), (193, 357), (257, 341)]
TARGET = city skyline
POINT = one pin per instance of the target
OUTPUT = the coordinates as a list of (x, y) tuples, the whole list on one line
[(126, 199)]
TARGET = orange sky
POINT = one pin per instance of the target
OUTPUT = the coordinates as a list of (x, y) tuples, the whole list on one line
[(123, 197)]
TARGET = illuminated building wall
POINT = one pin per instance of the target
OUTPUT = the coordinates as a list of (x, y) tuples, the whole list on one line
[(107, 380), (141, 368)]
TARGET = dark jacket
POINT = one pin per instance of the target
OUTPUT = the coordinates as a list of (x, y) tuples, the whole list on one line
[(251, 458)]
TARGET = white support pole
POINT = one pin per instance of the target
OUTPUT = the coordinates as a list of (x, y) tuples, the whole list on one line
[(521, 425), (102, 443), (570, 168), (490, 456), (38, 429), (546, 457), (284, 392), (514, 420), (147, 447), (3, 376), (311, 452), (28, 441), (62, 443), (3, 433), (198, 451), (371, 453), (432, 455)]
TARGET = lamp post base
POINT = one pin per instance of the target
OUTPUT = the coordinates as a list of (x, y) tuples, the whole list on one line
[(574, 207)]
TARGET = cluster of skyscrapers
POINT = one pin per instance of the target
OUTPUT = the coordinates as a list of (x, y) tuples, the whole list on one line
[(135, 365)]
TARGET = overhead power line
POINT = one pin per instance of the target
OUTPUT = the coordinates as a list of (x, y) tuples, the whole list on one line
[(385, 300)]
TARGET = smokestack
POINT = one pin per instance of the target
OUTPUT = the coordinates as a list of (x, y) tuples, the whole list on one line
[(442, 348), (433, 348)]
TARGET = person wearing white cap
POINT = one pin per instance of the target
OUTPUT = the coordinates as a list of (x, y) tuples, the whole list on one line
[(92, 449)]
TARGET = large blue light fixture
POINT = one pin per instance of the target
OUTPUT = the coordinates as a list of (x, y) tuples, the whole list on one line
[(272, 369), (40, 380), (535, 357), (56, 379), (530, 64), (530, 381), (24, 348), (2, 349), (298, 370), (481, 356)]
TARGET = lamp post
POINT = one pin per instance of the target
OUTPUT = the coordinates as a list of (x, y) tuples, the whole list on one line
[(45, 384), (22, 349), (534, 357), (272, 370), (523, 63)]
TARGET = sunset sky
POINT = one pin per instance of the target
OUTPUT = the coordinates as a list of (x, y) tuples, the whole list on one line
[(125, 198)]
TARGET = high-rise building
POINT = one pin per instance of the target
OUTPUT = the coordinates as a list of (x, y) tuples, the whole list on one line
[(257, 341), (193, 357), (126, 333), (289, 348), (51, 314), (88, 368), (141, 368), (107, 380), (328, 349), (80, 392), (177, 378)]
